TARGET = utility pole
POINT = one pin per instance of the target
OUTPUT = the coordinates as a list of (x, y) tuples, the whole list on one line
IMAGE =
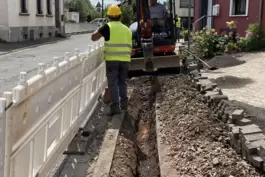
[(189, 23), (102, 8)]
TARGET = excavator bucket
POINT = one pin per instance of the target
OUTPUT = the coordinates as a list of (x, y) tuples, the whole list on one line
[(149, 63), (158, 62)]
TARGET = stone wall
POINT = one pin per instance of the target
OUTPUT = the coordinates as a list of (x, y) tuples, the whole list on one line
[(75, 28)]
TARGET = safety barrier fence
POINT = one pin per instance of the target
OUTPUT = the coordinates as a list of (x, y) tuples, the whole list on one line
[(41, 115)]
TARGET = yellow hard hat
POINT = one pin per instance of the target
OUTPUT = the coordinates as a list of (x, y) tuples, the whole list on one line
[(114, 10)]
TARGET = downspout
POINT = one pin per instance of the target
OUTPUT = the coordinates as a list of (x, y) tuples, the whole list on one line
[(260, 12), (213, 3), (260, 20), (199, 13)]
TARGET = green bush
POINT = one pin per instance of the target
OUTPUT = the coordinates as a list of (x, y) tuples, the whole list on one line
[(207, 43), (242, 44), (231, 47), (255, 37)]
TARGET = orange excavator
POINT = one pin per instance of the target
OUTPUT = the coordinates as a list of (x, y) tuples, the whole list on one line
[(154, 40)]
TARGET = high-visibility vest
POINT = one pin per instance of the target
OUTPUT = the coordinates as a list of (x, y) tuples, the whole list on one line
[(178, 23), (119, 46)]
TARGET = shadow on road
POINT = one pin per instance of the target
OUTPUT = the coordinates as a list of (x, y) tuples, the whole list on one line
[(256, 114), (231, 82), (8, 47)]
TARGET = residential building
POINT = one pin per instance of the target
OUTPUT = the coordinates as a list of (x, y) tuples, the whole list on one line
[(182, 10), (98, 7), (30, 19), (243, 12)]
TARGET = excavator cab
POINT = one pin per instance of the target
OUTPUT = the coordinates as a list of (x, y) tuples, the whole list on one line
[(154, 40)]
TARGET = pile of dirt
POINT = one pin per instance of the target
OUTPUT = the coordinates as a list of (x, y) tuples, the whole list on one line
[(136, 151), (198, 143), (224, 61)]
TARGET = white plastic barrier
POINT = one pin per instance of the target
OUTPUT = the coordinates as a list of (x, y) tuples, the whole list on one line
[(47, 111)]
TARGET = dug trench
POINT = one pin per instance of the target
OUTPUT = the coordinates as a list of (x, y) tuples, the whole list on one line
[(193, 143), (136, 149)]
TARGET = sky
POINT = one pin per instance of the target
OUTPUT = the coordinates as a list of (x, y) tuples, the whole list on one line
[(94, 2)]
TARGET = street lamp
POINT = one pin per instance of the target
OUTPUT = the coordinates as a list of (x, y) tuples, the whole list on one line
[(102, 9)]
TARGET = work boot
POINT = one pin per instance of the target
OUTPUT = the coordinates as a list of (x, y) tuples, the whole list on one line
[(124, 104), (114, 109)]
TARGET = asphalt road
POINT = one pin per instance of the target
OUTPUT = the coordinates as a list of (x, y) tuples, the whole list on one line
[(27, 60)]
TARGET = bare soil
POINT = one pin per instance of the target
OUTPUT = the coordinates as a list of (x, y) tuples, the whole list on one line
[(197, 142)]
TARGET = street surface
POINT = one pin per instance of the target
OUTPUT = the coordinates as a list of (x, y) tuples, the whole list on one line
[(27, 60)]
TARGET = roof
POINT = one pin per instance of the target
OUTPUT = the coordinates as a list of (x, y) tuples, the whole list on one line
[(98, 4)]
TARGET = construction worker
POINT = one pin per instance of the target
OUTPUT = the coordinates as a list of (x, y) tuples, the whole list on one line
[(158, 13), (117, 55), (157, 10), (178, 27)]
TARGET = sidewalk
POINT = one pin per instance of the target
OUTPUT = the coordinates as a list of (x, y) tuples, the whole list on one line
[(12, 47), (244, 83)]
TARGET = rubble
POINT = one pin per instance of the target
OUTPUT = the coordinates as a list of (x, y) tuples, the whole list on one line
[(189, 129)]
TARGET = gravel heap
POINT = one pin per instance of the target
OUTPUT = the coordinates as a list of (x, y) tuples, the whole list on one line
[(224, 61), (198, 142)]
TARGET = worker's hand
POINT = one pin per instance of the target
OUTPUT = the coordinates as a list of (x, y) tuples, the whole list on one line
[(96, 36)]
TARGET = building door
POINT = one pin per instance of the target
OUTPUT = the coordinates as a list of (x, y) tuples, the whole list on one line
[(203, 12), (57, 16)]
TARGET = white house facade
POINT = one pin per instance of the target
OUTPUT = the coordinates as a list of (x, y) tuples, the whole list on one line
[(30, 19)]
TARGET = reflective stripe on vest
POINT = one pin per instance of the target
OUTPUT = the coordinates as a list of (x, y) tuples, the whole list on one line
[(178, 23), (119, 46), (117, 53)]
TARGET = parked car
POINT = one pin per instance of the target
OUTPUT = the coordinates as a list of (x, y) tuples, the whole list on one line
[(99, 21)]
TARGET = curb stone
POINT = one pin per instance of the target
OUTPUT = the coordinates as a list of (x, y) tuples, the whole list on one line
[(246, 138)]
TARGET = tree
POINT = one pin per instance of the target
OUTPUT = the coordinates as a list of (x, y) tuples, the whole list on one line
[(84, 7), (127, 13)]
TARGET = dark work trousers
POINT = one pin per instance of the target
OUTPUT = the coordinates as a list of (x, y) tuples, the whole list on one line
[(178, 33), (117, 73)]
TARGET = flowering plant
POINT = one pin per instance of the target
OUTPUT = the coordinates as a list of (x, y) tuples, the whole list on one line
[(231, 24)]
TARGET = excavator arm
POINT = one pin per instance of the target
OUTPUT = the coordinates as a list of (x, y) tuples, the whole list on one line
[(145, 25), (151, 52)]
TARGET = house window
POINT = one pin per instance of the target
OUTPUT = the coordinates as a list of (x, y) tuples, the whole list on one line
[(238, 7), (185, 3), (23, 6), (39, 7), (49, 9)]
